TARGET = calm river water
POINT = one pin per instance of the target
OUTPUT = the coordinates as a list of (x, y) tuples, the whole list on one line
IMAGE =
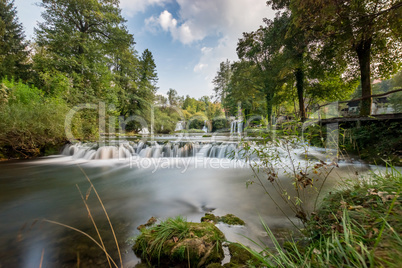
[(47, 188)]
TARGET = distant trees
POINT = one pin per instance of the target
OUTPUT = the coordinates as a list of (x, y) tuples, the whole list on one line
[(13, 47), (221, 82), (142, 97), (172, 96)]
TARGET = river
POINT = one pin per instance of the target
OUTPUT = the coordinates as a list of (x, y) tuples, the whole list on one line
[(154, 181)]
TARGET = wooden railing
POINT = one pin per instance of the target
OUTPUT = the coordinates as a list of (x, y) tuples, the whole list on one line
[(365, 97)]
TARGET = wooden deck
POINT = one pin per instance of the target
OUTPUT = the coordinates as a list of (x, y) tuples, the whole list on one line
[(377, 117)]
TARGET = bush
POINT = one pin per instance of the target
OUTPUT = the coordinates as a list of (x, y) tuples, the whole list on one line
[(29, 121), (32, 122), (196, 123), (166, 120), (219, 123)]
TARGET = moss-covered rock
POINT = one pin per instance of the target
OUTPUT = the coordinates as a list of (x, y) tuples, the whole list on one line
[(214, 265), (232, 220), (228, 219), (240, 257), (176, 242), (209, 217)]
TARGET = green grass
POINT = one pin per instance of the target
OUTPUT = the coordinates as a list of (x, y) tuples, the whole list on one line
[(151, 241), (176, 241), (358, 226)]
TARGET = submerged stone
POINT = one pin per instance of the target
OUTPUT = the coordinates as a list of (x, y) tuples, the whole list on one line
[(209, 217), (229, 219), (150, 222), (176, 242), (232, 220)]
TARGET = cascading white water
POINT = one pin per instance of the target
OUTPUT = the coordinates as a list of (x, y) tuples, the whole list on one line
[(236, 126), (179, 126), (144, 131), (204, 128), (147, 150)]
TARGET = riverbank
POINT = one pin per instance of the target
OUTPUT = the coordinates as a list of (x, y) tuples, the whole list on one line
[(357, 226), (377, 143)]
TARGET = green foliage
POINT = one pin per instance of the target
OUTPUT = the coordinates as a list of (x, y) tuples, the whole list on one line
[(370, 42), (165, 120), (245, 88), (396, 102), (219, 124), (358, 226), (29, 121), (176, 241), (172, 97), (84, 52), (13, 47), (197, 121), (374, 142)]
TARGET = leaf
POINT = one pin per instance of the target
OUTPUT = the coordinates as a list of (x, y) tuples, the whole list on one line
[(316, 251), (88, 193), (355, 207), (343, 204)]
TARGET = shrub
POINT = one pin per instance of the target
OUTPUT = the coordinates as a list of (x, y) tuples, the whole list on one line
[(29, 121), (219, 123)]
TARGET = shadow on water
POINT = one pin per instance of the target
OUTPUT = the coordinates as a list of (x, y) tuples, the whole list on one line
[(46, 188)]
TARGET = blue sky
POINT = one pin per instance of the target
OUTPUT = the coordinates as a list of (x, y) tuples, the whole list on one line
[(188, 38)]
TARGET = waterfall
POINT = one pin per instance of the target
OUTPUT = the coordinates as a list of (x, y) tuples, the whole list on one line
[(149, 150), (144, 131), (236, 126), (179, 126), (204, 128)]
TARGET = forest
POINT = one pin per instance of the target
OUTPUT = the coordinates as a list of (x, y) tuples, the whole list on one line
[(289, 66)]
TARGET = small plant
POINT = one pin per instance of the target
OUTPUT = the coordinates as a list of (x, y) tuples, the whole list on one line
[(276, 161)]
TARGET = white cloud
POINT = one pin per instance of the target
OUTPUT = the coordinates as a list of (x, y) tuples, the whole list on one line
[(199, 67), (206, 50), (185, 32), (167, 21), (130, 7), (224, 20)]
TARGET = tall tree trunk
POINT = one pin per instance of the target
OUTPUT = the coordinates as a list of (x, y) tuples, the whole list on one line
[(363, 50), (300, 92), (269, 99)]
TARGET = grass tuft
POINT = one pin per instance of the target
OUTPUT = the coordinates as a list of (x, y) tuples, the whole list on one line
[(359, 226)]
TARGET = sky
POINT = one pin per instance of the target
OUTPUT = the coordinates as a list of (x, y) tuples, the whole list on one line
[(188, 38)]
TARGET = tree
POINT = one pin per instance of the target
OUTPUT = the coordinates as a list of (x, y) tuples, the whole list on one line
[(13, 47), (263, 48), (141, 100), (245, 87), (81, 39), (148, 75), (367, 33), (172, 96), (126, 76)]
